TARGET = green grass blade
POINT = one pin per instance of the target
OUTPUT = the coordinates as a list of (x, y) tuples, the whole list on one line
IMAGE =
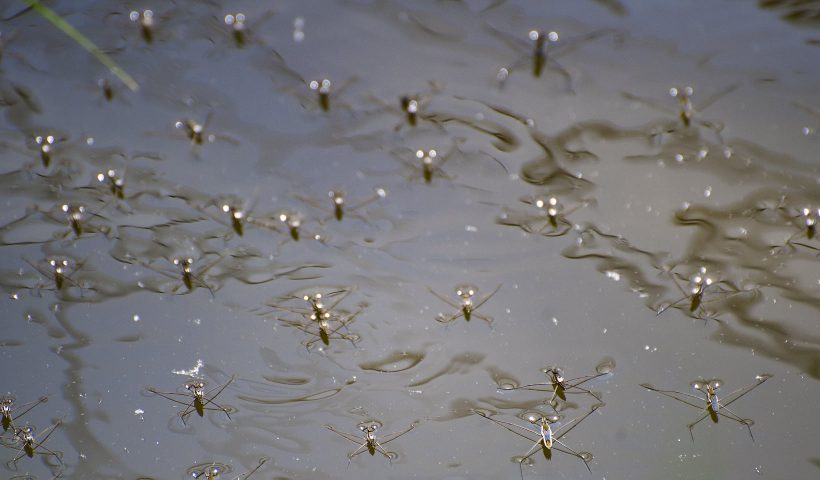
[(84, 42)]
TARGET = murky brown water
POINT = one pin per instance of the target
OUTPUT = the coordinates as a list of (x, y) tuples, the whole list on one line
[(493, 213)]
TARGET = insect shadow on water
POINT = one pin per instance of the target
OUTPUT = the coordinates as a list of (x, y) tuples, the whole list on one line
[(28, 443), (339, 204), (10, 412), (549, 219), (700, 284), (545, 437), (467, 304), (544, 48), (368, 442), (7, 39), (321, 321), (215, 470), (560, 386), (687, 112), (714, 407), (196, 398)]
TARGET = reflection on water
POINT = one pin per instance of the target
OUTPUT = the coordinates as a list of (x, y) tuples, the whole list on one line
[(596, 181)]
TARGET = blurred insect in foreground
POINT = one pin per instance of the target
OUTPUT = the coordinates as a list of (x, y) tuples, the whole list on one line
[(714, 407), (28, 444), (467, 304), (146, 22), (687, 113), (196, 399), (368, 441), (560, 386), (546, 439), (324, 322), (340, 206), (10, 413), (550, 219), (215, 470), (542, 55), (700, 284)]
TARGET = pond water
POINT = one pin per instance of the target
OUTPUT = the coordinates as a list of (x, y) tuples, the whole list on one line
[(624, 189)]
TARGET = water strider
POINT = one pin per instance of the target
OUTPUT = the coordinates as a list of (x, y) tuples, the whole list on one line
[(560, 386), (541, 55), (200, 398), (59, 270), (700, 284), (322, 321), (549, 219), (217, 470), (714, 406), (340, 205), (368, 442), (547, 438), (687, 113), (467, 304), (11, 412), (28, 443)]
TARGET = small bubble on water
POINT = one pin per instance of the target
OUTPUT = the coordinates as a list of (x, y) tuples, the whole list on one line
[(613, 275), (197, 321), (555, 321), (470, 228), (708, 192), (136, 318)]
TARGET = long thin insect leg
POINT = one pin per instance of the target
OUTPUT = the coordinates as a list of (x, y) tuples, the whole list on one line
[(444, 299), (489, 295), (573, 452), (362, 448)]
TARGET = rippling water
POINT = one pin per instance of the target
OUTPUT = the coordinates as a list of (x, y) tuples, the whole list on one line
[(427, 241)]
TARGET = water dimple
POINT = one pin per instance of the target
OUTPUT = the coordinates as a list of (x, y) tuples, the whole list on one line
[(398, 361), (606, 366)]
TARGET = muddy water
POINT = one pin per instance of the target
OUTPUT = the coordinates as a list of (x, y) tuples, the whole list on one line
[(180, 234)]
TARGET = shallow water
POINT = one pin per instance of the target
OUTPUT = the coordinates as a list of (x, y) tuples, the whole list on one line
[(643, 202)]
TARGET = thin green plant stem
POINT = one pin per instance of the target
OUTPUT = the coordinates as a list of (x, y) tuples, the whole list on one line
[(84, 42)]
